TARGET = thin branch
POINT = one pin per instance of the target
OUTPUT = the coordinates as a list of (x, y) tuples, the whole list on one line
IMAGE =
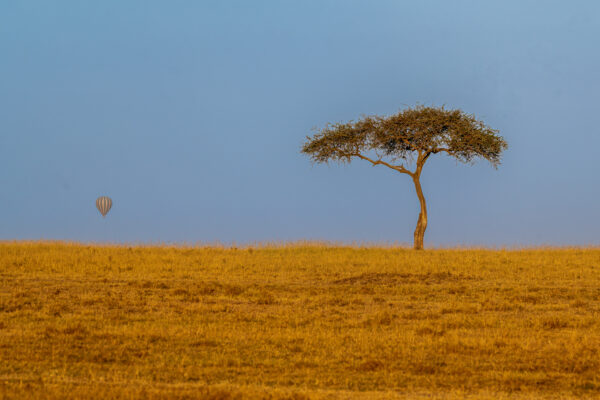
[(442, 149), (399, 168), (423, 156), (426, 156)]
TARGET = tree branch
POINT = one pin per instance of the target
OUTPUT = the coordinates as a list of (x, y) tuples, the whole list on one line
[(399, 168), (442, 149), (423, 156), (426, 156)]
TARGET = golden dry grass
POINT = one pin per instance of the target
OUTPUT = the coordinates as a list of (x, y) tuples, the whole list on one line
[(297, 322)]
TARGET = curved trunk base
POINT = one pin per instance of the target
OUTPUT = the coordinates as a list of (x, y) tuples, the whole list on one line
[(420, 232)]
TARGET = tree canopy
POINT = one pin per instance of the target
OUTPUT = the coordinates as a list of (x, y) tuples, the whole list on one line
[(419, 131)]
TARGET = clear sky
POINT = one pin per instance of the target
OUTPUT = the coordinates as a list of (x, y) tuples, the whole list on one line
[(191, 115)]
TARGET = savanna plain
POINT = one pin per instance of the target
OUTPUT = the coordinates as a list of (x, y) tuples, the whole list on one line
[(301, 321)]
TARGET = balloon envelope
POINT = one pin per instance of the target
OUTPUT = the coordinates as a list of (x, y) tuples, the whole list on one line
[(103, 204)]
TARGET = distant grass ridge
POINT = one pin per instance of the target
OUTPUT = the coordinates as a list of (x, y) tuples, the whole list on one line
[(297, 321)]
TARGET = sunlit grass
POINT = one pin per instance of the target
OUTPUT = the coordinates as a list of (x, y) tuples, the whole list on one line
[(297, 321)]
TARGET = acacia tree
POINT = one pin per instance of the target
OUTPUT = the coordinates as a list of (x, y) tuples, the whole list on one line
[(410, 136)]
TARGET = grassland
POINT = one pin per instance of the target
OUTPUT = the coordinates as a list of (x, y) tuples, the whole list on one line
[(297, 322)]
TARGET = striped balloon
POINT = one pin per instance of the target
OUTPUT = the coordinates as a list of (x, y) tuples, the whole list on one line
[(103, 204)]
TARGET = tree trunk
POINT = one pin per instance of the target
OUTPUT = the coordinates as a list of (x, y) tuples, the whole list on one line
[(422, 221)]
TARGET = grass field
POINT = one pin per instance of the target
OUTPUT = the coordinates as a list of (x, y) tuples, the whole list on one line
[(297, 322)]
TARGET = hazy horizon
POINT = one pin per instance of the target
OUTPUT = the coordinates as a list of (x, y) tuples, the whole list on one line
[(191, 115)]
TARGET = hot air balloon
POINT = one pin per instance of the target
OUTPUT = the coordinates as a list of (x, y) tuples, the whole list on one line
[(103, 204)]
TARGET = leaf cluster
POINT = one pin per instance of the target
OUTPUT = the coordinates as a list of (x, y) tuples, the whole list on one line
[(414, 132)]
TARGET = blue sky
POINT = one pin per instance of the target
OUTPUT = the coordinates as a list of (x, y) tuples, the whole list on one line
[(191, 115)]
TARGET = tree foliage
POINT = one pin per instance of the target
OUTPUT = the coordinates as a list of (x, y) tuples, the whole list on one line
[(412, 133)]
